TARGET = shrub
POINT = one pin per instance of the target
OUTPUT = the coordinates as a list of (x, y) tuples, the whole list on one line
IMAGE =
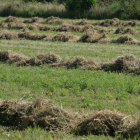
[(79, 5)]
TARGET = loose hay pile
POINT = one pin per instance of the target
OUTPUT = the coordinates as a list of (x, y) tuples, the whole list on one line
[(33, 19), (42, 113), (126, 63), (11, 57), (5, 34), (123, 30), (104, 122), (11, 19), (45, 58), (53, 20), (65, 37), (126, 39), (47, 115), (16, 25)]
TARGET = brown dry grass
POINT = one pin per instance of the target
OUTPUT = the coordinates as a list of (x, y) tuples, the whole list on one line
[(46, 114), (126, 63), (33, 19), (53, 20), (126, 39), (16, 25), (104, 122), (5, 34), (45, 58), (41, 113), (11, 57), (91, 36), (123, 30), (65, 37), (11, 19)]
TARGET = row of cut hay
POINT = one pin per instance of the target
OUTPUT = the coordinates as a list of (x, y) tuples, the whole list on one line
[(127, 63), (25, 34), (57, 20), (69, 28), (45, 114), (90, 36)]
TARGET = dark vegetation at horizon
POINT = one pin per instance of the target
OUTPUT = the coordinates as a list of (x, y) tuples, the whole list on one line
[(122, 9)]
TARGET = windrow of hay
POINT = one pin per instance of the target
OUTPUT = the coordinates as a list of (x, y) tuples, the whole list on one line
[(5, 34), (104, 122), (33, 19), (53, 20), (11, 57), (16, 25), (46, 114), (42, 113), (127, 63), (57, 20), (65, 37), (91, 36), (117, 22), (45, 58), (11, 19), (125, 39), (78, 62), (124, 30)]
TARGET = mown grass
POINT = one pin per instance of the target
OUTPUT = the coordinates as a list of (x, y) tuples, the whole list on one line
[(82, 91)]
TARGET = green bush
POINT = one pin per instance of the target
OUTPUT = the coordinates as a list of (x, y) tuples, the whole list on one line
[(79, 5)]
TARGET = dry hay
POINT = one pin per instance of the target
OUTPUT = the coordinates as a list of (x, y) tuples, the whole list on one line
[(87, 27), (64, 36), (46, 28), (68, 27), (11, 19), (89, 36), (78, 62), (53, 20), (104, 122), (131, 130), (34, 26), (33, 19), (104, 30), (2, 25), (130, 23), (126, 63), (16, 25), (11, 57), (42, 113), (45, 58), (123, 30), (31, 36), (48, 37), (5, 34), (109, 22), (126, 39), (81, 22)]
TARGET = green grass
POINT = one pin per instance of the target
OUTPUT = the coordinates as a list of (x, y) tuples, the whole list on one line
[(82, 91)]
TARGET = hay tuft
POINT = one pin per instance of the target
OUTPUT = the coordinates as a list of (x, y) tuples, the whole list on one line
[(11, 57), (5, 34), (125, 39), (126, 63), (42, 113), (104, 122), (11, 19)]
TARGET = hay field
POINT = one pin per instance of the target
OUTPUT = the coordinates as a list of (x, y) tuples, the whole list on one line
[(64, 79)]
